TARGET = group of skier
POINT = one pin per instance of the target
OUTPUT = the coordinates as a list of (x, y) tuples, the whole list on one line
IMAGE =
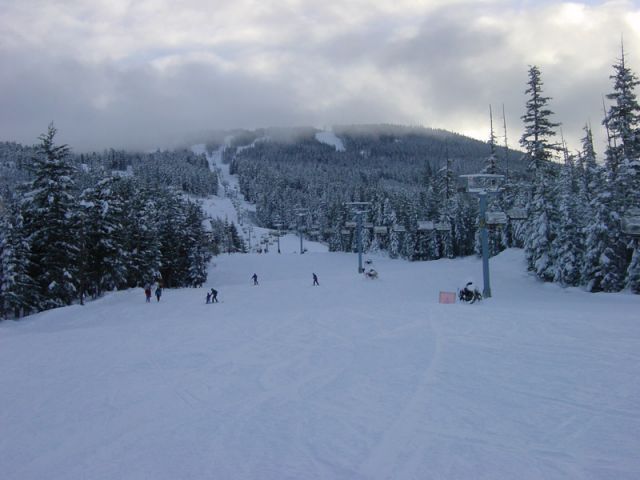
[(212, 296), (469, 294), (147, 292)]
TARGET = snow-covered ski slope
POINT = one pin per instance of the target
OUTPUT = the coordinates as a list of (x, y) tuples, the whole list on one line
[(354, 379)]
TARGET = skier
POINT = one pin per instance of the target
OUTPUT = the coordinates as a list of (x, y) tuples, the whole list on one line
[(371, 273), (214, 295), (158, 292), (147, 292), (255, 278), (315, 279), (208, 297)]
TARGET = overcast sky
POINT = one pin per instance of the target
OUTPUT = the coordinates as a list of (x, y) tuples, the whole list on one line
[(147, 73)]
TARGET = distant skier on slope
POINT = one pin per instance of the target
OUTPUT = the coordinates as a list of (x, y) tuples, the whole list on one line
[(158, 292), (315, 280), (147, 292), (208, 297), (214, 295), (255, 279)]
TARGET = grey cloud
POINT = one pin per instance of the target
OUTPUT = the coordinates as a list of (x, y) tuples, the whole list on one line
[(442, 73)]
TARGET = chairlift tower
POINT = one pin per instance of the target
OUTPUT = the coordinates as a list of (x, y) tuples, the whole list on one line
[(301, 213), (357, 208), (484, 185), (278, 225)]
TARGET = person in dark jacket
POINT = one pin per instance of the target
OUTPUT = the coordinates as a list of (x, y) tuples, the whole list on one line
[(147, 292), (208, 297), (158, 292), (214, 295), (255, 278), (315, 279)]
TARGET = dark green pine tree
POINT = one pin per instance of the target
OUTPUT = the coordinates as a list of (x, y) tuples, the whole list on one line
[(539, 148), (49, 209)]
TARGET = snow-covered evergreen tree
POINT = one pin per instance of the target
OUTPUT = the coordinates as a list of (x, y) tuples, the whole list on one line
[(588, 178), (623, 161), (103, 250), (491, 164), (446, 186), (568, 244), (49, 208), (607, 249), (18, 292), (142, 243), (536, 140), (463, 225), (196, 244)]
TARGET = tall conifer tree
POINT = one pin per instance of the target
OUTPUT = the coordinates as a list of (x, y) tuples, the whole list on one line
[(49, 209), (539, 148)]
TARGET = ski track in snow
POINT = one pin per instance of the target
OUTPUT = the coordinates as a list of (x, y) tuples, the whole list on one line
[(354, 379)]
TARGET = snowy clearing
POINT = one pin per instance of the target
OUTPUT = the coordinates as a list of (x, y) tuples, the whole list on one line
[(330, 138), (354, 379)]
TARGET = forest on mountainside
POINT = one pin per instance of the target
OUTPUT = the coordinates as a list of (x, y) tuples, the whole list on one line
[(573, 214), (75, 226)]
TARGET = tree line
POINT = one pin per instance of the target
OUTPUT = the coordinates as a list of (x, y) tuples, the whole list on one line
[(73, 227)]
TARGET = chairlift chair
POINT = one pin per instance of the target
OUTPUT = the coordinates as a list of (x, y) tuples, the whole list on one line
[(496, 218), (517, 213), (425, 225), (631, 223), (443, 226), (483, 182)]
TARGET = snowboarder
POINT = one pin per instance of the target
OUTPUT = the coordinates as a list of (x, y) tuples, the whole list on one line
[(208, 297), (315, 279), (158, 292), (255, 278), (214, 295), (147, 292)]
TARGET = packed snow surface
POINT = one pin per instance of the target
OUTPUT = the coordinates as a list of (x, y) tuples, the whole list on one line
[(354, 379)]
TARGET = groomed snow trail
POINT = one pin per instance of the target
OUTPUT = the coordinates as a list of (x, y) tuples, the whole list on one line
[(354, 379)]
